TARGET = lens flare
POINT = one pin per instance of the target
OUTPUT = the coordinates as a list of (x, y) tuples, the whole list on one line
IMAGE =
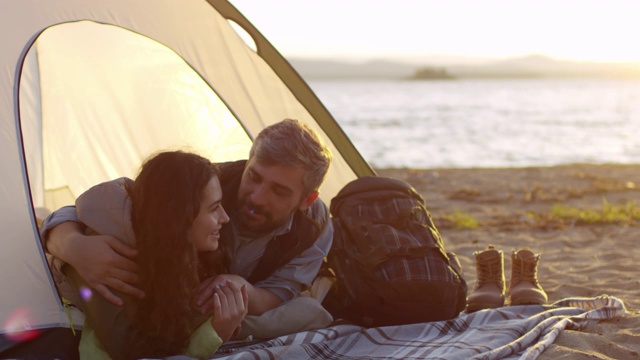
[(17, 328), (85, 293)]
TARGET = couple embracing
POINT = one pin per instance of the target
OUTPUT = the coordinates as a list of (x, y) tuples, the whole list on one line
[(174, 261)]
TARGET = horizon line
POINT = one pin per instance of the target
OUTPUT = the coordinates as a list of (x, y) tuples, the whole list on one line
[(466, 58)]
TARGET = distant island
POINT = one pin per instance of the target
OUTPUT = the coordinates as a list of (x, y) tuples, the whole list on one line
[(532, 66), (430, 73)]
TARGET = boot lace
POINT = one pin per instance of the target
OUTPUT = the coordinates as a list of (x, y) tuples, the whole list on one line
[(526, 270), (489, 271)]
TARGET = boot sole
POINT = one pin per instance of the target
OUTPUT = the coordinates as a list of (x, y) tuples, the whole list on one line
[(527, 301)]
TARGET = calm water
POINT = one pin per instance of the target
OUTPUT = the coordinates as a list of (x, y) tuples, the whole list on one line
[(488, 123)]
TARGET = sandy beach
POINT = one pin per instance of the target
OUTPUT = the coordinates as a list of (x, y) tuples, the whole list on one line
[(523, 207)]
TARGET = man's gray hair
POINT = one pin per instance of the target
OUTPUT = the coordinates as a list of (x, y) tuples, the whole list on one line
[(292, 143)]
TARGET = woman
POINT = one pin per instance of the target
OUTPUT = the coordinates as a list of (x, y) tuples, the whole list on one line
[(176, 216)]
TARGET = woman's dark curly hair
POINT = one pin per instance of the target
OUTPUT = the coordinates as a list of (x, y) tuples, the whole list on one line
[(166, 198)]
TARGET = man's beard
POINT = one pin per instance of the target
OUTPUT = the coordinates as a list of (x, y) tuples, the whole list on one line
[(247, 224)]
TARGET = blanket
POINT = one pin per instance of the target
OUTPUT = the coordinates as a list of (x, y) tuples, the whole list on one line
[(512, 332)]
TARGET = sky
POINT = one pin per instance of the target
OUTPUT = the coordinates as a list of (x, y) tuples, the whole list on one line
[(464, 30)]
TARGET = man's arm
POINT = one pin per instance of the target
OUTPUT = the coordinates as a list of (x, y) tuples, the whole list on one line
[(262, 300), (288, 281), (298, 274), (283, 285), (103, 260)]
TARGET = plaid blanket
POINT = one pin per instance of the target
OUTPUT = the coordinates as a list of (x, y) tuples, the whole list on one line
[(512, 332)]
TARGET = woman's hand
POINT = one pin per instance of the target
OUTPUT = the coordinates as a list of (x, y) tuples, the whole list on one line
[(204, 299), (230, 306), (262, 299)]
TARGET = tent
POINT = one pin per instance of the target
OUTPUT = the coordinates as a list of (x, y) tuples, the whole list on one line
[(90, 88)]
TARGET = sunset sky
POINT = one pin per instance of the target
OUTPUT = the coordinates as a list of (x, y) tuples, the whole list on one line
[(457, 29)]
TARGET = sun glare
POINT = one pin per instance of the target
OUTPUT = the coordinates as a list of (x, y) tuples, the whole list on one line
[(577, 30)]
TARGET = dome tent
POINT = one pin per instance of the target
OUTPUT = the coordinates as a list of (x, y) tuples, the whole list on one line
[(90, 88)]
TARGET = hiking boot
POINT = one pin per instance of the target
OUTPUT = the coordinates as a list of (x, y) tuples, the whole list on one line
[(524, 287), (490, 286)]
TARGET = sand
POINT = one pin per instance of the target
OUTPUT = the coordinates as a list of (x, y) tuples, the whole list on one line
[(513, 209)]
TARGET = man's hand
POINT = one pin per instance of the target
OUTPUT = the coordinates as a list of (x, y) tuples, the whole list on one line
[(103, 261), (261, 299), (231, 304)]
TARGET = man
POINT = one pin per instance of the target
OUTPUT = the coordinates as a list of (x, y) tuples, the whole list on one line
[(277, 237)]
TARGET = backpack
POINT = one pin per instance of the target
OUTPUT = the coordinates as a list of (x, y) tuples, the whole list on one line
[(388, 258)]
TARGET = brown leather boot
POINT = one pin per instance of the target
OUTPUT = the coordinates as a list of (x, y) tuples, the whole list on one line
[(524, 287), (490, 286)]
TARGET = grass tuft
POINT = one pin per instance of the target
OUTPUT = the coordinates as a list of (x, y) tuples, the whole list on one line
[(609, 214), (459, 220)]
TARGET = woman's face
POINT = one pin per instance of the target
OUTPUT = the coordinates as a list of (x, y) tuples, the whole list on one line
[(205, 229)]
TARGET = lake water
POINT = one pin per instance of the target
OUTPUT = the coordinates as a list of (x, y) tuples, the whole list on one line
[(488, 123)]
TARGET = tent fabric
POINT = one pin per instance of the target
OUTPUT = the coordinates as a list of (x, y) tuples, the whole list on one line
[(90, 88), (144, 95)]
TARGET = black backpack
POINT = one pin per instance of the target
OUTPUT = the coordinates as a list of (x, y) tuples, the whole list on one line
[(388, 258)]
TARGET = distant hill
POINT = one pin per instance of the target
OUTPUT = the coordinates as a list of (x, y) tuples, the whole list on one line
[(430, 73), (533, 66), (545, 67)]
